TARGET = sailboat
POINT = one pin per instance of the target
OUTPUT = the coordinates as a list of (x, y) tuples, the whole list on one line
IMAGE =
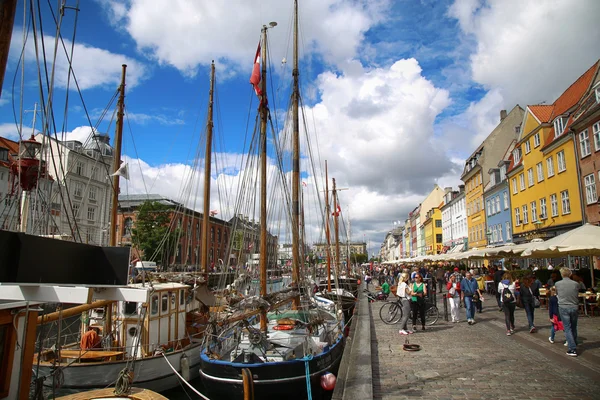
[(293, 343), (139, 343)]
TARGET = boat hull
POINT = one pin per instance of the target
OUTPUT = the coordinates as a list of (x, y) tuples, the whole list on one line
[(286, 379), (151, 373)]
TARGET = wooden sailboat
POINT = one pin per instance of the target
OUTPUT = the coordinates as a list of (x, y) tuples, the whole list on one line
[(287, 350), (136, 343)]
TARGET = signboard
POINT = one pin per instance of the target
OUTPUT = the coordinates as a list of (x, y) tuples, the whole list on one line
[(28, 259)]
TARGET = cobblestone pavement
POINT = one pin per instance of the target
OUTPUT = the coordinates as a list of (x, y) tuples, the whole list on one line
[(459, 361)]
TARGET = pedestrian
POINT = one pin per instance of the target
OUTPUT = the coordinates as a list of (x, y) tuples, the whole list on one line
[(403, 292), (497, 278), (527, 298), (553, 314), (508, 299), (469, 288), (554, 277), (439, 276), (454, 298), (567, 292), (419, 291)]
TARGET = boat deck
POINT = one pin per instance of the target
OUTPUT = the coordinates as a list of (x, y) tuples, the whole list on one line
[(134, 393)]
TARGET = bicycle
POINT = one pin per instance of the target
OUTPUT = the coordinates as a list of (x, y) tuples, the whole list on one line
[(391, 312)]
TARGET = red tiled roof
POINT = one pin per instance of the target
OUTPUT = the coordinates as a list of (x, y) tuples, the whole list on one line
[(575, 92), (13, 148), (543, 112), (511, 164)]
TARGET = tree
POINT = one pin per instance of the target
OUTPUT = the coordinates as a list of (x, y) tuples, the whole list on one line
[(358, 258), (151, 230)]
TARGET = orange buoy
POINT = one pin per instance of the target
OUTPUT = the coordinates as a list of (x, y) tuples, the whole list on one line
[(284, 327)]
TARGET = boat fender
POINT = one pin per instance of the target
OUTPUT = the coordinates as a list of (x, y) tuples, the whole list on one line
[(284, 327), (184, 363)]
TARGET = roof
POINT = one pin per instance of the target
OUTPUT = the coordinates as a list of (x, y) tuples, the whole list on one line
[(575, 92), (543, 112), (13, 148), (135, 200)]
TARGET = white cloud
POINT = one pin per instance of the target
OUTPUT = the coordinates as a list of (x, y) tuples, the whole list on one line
[(93, 67), (142, 119), (186, 34), (9, 130), (5, 98)]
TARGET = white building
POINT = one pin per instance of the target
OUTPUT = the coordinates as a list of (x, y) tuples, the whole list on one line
[(82, 174), (454, 220)]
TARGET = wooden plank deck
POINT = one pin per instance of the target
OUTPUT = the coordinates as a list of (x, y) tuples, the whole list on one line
[(134, 394), (89, 354)]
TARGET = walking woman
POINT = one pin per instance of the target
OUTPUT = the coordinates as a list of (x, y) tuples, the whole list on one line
[(419, 291), (527, 298), (453, 297), (506, 288), (403, 292)]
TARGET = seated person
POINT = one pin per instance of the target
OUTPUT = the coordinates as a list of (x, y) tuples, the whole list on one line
[(385, 288)]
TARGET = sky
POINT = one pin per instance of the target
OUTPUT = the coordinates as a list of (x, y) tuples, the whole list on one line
[(398, 93)]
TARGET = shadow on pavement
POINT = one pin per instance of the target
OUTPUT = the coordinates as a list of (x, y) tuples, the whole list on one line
[(375, 359)]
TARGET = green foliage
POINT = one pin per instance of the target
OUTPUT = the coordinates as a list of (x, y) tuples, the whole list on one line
[(151, 227), (238, 240), (358, 258)]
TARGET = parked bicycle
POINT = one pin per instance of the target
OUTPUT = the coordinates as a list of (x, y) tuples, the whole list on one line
[(380, 296), (391, 312)]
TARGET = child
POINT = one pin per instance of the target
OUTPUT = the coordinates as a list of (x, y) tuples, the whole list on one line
[(553, 313)]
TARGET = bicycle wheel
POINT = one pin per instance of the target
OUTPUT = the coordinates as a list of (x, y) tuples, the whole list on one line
[(431, 315), (390, 313)]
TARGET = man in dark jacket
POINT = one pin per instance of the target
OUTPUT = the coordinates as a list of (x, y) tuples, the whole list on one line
[(497, 278)]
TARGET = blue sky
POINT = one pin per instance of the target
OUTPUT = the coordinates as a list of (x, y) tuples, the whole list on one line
[(388, 84)]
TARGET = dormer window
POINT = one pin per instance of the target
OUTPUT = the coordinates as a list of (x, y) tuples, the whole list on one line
[(598, 94), (502, 173), (517, 155), (559, 126), (492, 178)]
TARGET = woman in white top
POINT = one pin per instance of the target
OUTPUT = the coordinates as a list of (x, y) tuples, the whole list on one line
[(404, 292), (453, 297)]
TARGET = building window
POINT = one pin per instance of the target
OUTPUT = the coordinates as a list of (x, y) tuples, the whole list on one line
[(500, 238), (598, 94), (591, 194), (554, 204), (540, 172), (550, 166), (517, 216), (498, 203), (525, 215), (560, 161), (559, 126), (79, 168), (566, 204), (508, 231), (522, 181), (543, 214), (530, 176), (76, 210), (92, 193), (91, 214), (502, 173), (438, 238), (489, 208), (78, 192), (584, 143), (438, 223), (596, 129), (505, 194), (533, 211), (536, 140), (514, 186), (127, 226), (527, 147), (517, 155)]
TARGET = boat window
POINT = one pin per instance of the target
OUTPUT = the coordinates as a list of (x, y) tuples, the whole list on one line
[(132, 331), (154, 308), (165, 303), (130, 307), (173, 300), (181, 297)]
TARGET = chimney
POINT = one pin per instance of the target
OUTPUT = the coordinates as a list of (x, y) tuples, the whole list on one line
[(448, 189), (461, 188), (502, 115)]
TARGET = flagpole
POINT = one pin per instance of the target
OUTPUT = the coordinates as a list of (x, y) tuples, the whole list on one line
[(117, 159)]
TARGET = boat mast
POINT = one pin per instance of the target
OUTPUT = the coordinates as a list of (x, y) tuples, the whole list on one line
[(337, 229), (327, 233), (207, 170), (262, 262), (117, 160), (296, 166), (8, 9)]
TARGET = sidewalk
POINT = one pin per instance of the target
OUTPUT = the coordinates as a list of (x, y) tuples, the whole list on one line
[(459, 361)]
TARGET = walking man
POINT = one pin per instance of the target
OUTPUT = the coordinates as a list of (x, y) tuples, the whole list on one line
[(567, 291), (468, 288)]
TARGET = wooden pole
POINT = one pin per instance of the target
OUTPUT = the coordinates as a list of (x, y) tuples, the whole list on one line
[(296, 166), (327, 233), (207, 170), (263, 179), (248, 384), (8, 9), (117, 159), (337, 229), (44, 319)]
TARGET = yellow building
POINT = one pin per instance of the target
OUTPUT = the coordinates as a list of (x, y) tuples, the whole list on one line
[(476, 172), (433, 232), (544, 183)]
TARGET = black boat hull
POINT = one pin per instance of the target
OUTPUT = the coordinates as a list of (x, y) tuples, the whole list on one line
[(276, 380)]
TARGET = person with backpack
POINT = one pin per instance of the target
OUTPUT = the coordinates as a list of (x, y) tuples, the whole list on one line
[(509, 301), (528, 300)]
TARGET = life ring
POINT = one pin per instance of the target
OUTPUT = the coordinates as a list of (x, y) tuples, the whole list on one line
[(284, 327)]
